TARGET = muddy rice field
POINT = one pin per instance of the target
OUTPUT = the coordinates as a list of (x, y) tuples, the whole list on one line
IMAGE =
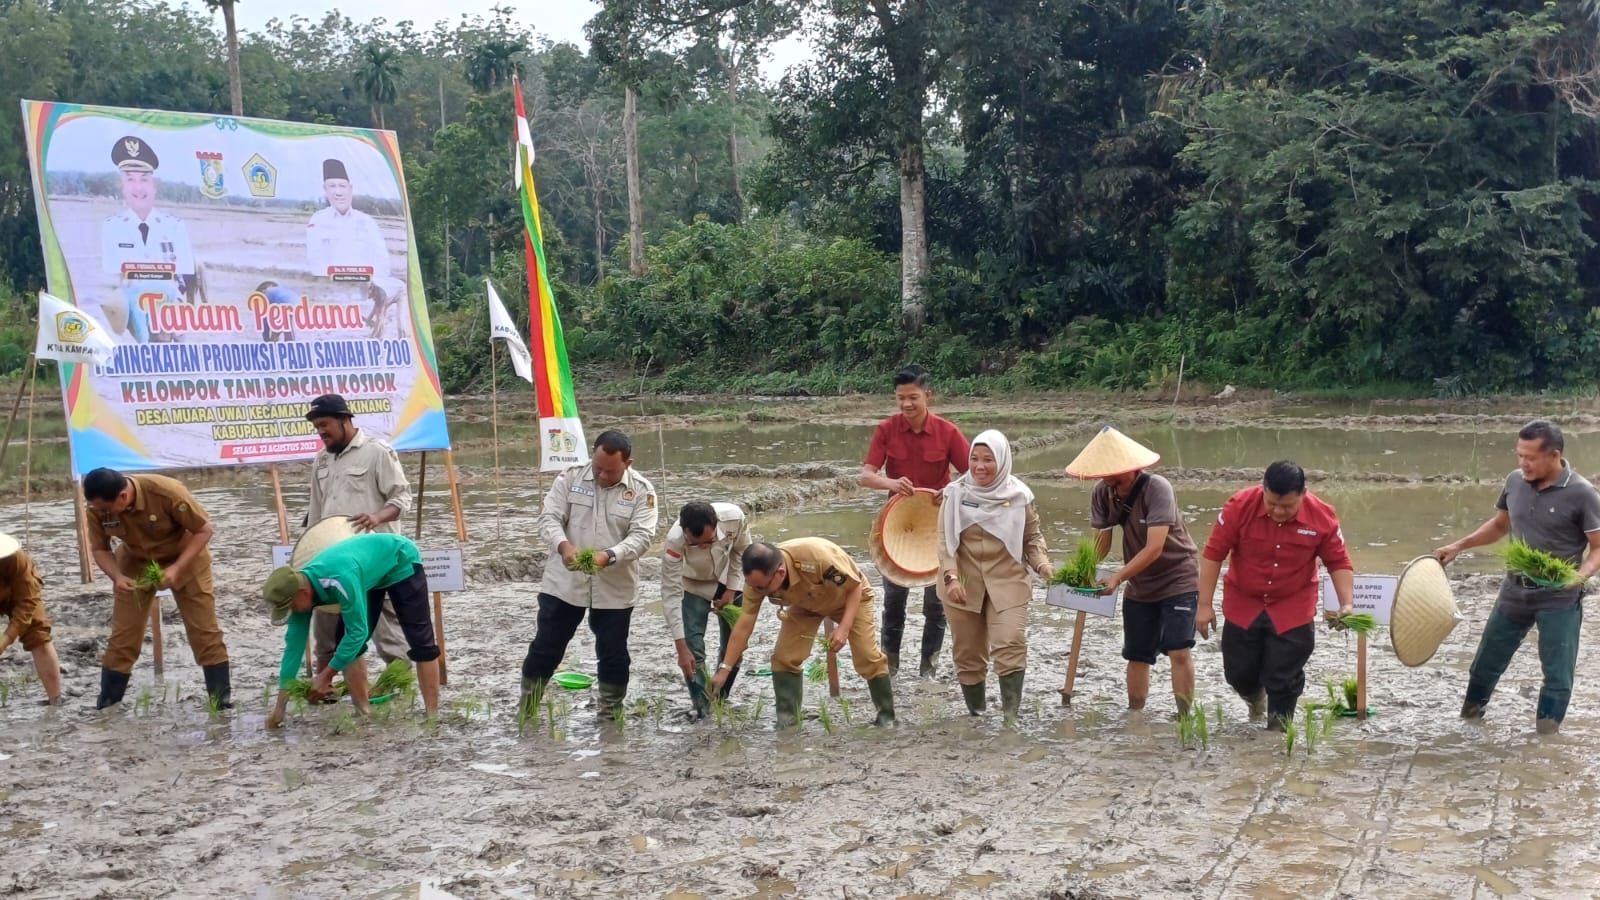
[(159, 799)]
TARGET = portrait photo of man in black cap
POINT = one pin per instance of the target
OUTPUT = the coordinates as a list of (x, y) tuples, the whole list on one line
[(342, 241), (144, 249)]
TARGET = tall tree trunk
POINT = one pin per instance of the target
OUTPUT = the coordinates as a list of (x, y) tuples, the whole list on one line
[(733, 135), (630, 130), (597, 210), (235, 79), (913, 236)]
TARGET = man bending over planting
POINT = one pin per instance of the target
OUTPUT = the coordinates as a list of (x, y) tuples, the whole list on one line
[(354, 576)]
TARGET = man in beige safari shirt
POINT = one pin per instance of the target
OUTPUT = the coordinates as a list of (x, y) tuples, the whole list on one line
[(608, 508), (360, 477), (700, 578)]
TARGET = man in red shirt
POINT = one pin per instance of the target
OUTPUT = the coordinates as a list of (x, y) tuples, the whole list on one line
[(915, 449), (1275, 534)]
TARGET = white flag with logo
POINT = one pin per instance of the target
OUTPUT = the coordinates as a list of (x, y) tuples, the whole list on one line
[(502, 326), (67, 334)]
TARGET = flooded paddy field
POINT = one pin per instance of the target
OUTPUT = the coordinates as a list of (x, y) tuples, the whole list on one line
[(160, 799)]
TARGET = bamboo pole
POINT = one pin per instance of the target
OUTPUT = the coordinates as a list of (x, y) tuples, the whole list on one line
[(277, 499), (422, 492), (1072, 659), (455, 494), (833, 659), (85, 570), (494, 425), (27, 469)]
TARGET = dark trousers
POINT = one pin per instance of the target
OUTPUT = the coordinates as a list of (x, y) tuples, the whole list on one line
[(696, 610), (410, 601), (558, 622), (894, 619), (1257, 658), (1558, 654)]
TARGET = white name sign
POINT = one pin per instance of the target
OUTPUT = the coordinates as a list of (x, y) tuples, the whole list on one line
[(1374, 594), (444, 569), (1059, 595)]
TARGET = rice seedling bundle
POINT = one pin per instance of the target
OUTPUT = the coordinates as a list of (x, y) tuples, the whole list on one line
[(1081, 571), (1539, 566), (730, 614), (1360, 623), (584, 562), (397, 677)]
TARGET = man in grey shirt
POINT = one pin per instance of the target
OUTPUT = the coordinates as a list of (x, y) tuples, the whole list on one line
[(1551, 508)]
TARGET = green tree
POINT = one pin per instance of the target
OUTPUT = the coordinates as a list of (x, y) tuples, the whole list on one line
[(379, 75)]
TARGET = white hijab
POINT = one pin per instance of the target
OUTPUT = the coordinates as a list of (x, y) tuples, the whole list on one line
[(1000, 508)]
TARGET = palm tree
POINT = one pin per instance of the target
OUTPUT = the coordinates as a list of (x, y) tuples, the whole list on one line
[(235, 80), (492, 63), (380, 75)]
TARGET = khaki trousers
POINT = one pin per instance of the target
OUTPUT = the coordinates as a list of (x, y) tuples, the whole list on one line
[(386, 635), (997, 635), (197, 605), (798, 634)]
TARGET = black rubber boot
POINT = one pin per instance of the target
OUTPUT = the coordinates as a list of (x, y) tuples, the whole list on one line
[(882, 691), (112, 686), (219, 685), (611, 698), (977, 699), (788, 689), (1011, 696), (698, 696), (928, 669)]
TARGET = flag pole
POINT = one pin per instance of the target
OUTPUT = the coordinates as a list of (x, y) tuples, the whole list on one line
[(494, 424)]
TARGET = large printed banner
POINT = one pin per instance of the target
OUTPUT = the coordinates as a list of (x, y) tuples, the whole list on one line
[(243, 267)]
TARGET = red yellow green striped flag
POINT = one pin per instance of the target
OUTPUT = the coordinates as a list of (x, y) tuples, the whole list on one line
[(560, 431)]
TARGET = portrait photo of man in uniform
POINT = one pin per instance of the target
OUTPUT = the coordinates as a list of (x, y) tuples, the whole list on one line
[(146, 251), (346, 246)]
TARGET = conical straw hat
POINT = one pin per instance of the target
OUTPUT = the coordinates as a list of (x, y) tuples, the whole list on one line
[(318, 538), (1424, 611), (8, 545), (1111, 453), (905, 539)]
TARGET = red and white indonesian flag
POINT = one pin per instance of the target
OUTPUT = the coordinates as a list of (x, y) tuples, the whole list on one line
[(67, 334)]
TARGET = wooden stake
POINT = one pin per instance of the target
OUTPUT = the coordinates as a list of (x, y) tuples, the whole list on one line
[(422, 490), (84, 568), (438, 629), (16, 405), (156, 655), (1072, 659), (455, 494), (1361, 678), (283, 513), (833, 659)]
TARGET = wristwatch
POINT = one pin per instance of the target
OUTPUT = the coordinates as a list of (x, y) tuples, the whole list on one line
[(949, 578)]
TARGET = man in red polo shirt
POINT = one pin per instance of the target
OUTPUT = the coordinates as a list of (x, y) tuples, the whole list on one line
[(1275, 533), (915, 449)]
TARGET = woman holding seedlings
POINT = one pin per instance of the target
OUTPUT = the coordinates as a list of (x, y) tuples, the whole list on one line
[(989, 542)]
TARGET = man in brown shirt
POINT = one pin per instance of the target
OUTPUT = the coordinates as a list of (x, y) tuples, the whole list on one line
[(812, 579), (1160, 562), (154, 519), (26, 621)]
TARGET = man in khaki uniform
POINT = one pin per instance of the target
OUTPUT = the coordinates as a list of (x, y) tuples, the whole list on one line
[(606, 507), (360, 477), (701, 565), (154, 519), (26, 620), (812, 579)]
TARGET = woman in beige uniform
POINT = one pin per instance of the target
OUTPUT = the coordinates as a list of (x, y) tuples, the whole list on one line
[(989, 542)]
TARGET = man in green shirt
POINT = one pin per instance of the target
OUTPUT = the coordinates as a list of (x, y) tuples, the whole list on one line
[(353, 577)]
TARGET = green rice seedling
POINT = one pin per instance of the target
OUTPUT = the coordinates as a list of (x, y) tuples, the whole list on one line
[(5, 693), (1290, 732), (1219, 713), (824, 718), (267, 691), (1193, 730), (1328, 721), (344, 722), (1082, 570), (1310, 731), (1538, 565), (817, 670), (844, 710), (213, 704), (730, 614), (761, 705), (658, 709), (143, 702), (1360, 623), (397, 676), (1352, 693), (641, 708), (150, 576)]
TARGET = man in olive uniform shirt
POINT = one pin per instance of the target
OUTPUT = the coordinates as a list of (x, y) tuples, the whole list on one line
[(155, 519), (26, 620), (146, 250), (812, 579), (607, 507)]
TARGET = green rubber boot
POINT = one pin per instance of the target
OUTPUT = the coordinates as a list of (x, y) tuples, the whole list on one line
[(977, 700), (787, 690), (882, 691), (1011, 696)]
